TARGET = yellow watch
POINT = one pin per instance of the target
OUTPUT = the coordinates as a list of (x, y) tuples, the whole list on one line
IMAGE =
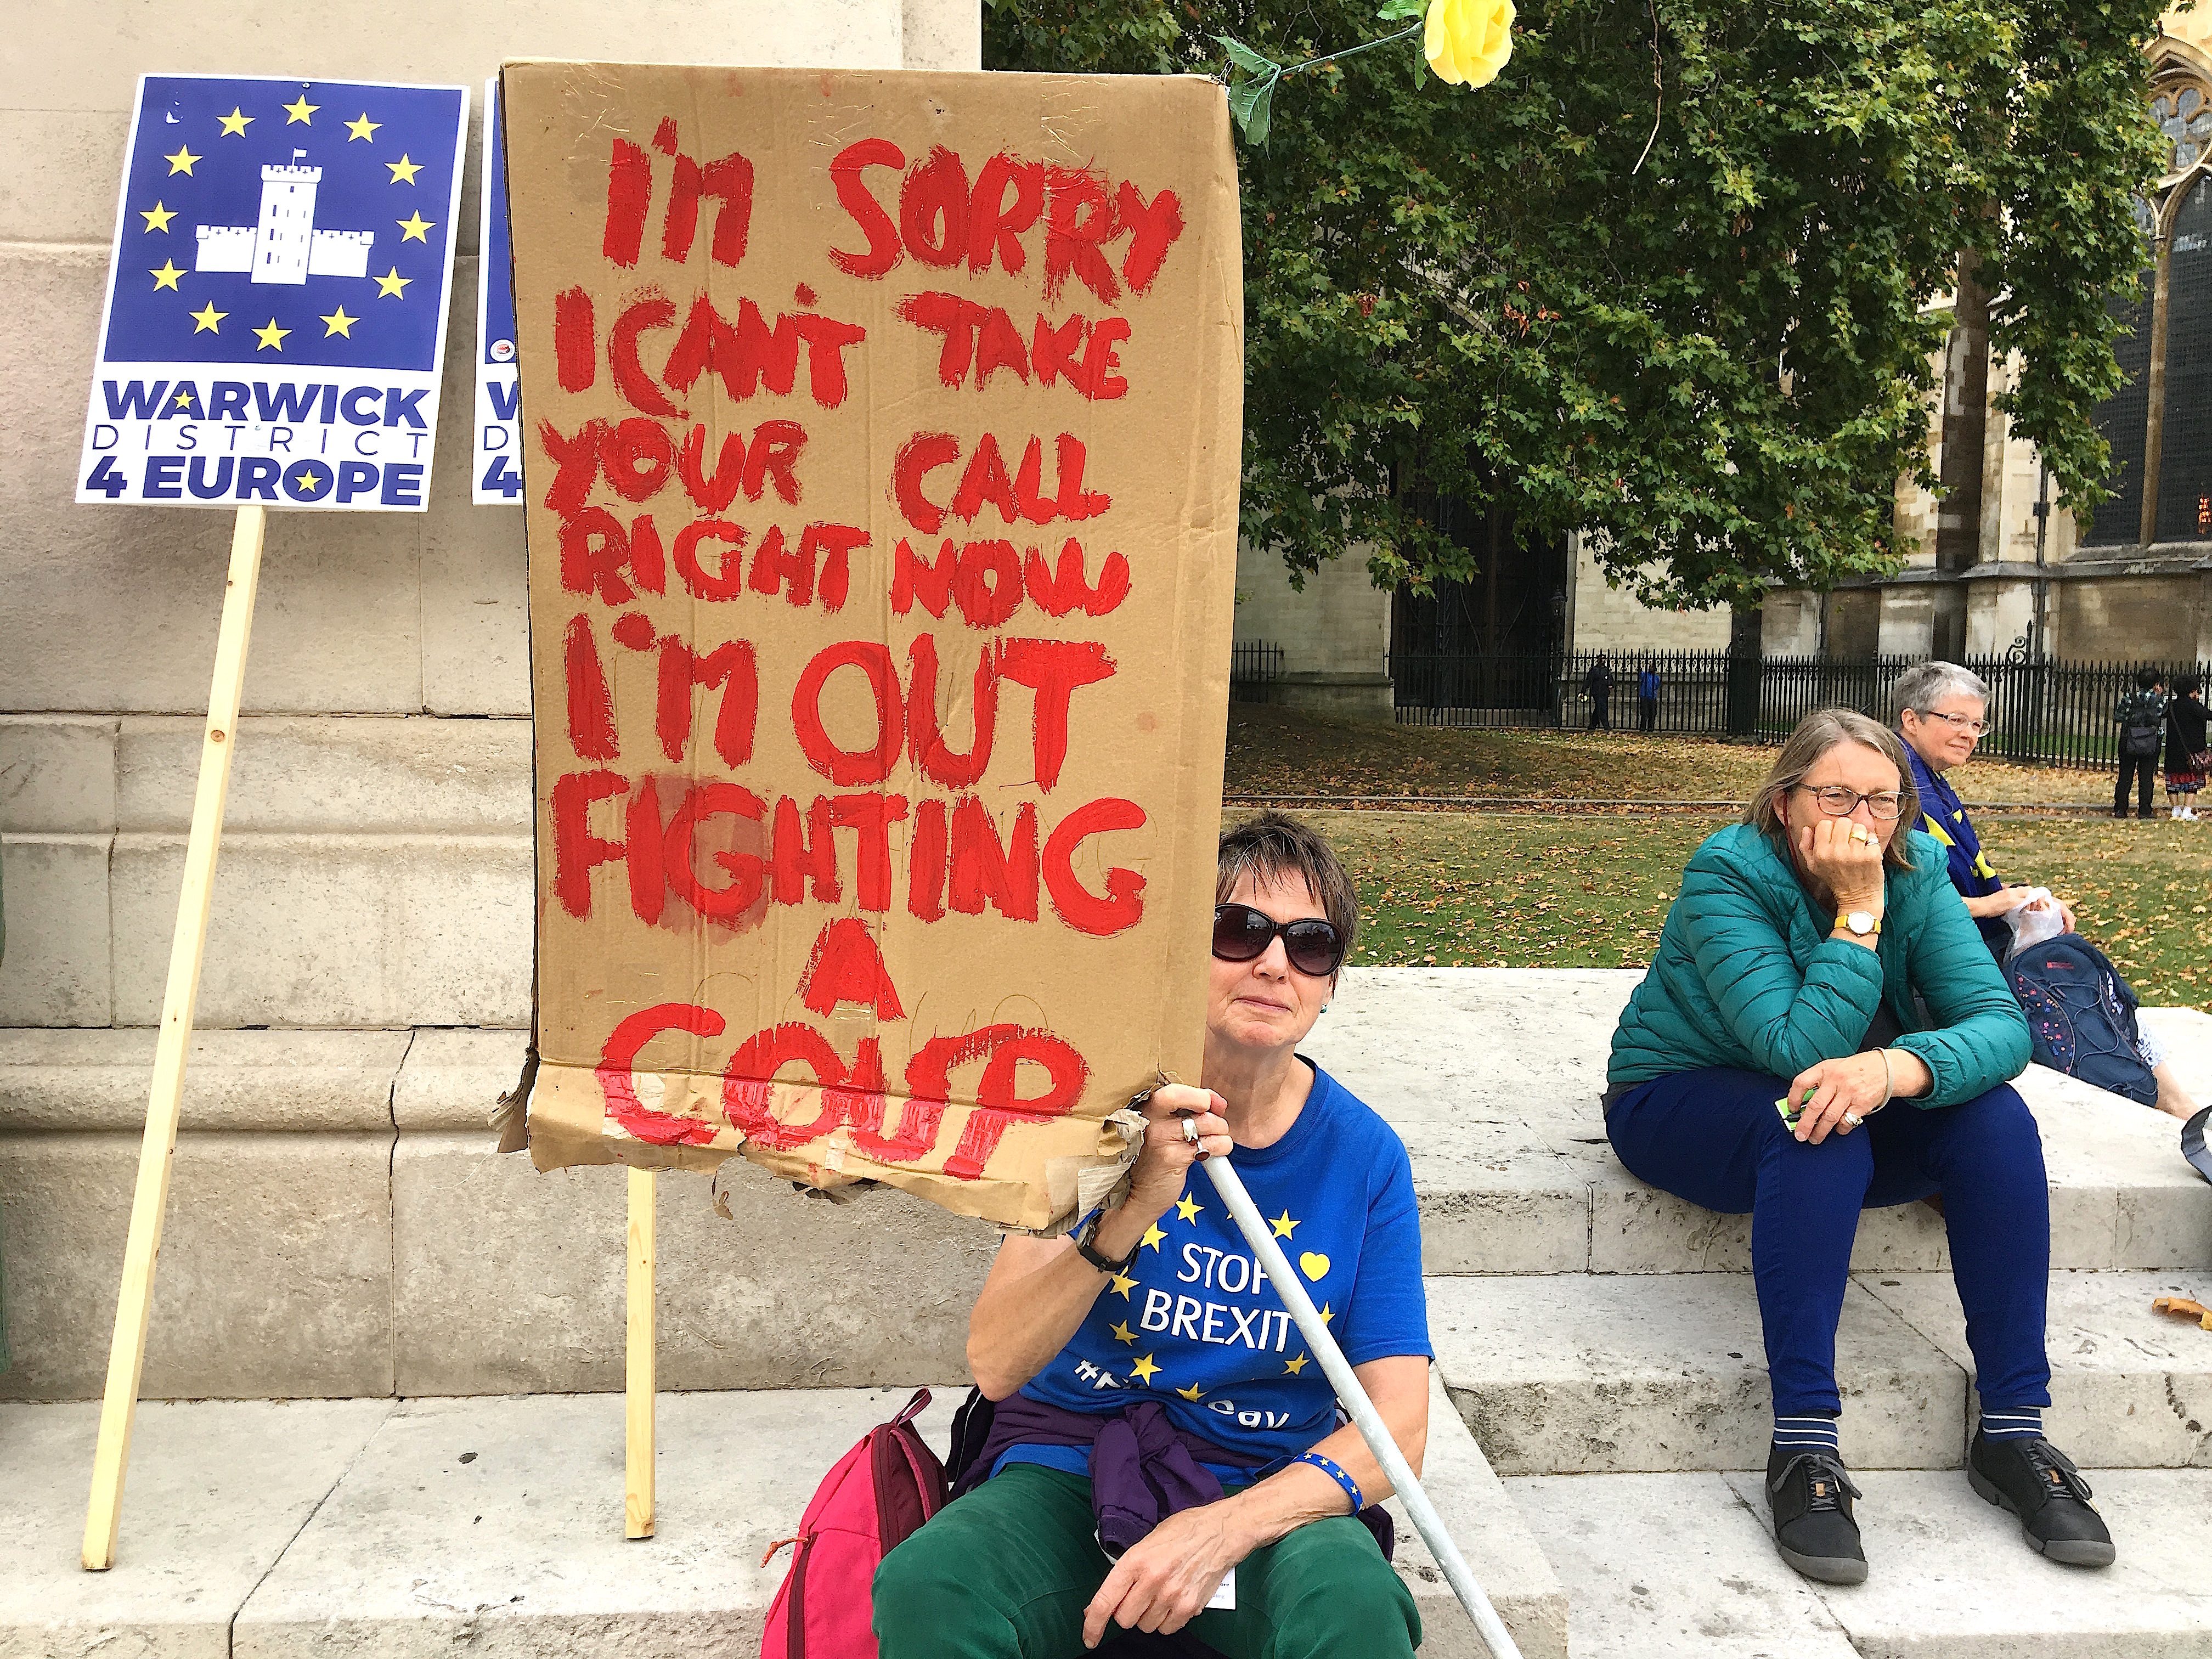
[(1859, 923)]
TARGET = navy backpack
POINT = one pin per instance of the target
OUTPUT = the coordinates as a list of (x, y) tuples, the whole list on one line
[(2082, 1015)]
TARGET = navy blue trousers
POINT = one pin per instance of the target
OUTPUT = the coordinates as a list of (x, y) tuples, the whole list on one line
[(1714, 1137)]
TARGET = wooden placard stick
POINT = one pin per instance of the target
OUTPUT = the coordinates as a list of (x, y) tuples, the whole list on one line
[(637, 1404), (126, 1357)]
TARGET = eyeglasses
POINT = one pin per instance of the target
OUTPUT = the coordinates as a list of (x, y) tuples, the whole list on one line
[(1957, 722), (1241, 934), (1839, 802)]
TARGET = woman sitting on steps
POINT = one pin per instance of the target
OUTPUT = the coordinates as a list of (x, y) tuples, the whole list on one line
[(1159, 1424), (1818, 953)]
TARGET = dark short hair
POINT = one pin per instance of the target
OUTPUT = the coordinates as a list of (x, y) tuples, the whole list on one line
[(2147, 677), (2187, 685), (1273, 845)]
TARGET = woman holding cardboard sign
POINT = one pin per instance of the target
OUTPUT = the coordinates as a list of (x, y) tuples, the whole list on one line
[(1162, 1451)]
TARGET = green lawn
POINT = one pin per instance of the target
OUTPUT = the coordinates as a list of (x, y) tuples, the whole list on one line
[(1531, 890)]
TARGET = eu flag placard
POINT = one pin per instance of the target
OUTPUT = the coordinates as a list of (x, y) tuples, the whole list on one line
[(498, 460), (276, 297)]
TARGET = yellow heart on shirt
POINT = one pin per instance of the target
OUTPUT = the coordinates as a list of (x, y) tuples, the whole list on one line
[(1314, 1266)]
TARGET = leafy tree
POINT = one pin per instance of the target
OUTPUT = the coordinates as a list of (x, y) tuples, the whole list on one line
[(1665, 279)]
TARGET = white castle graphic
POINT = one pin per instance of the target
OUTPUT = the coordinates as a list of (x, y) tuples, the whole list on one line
[(285, 246)]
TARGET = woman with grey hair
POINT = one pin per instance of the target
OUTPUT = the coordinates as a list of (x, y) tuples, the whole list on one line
[(1940, 710), (1818, 955)]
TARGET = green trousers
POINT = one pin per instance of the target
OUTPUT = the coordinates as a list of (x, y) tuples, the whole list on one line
[(1006, 1572)]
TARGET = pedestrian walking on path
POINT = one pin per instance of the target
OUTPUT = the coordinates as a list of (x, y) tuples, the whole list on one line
[(1647, 696), (2187, 758), (1818, 953), (2140, 716)]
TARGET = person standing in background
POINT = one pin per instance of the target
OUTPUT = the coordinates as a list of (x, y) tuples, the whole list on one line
[(1647, 696), (1598, 684), (2140, 716), (2186, 755)]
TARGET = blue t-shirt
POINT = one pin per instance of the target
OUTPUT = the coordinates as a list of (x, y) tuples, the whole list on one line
[(1195, 1324)]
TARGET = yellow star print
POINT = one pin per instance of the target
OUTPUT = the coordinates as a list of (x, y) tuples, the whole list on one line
[(235, 124), (1153, 1237), (310, 482), (297, 114), (392, 285), (157, 217), (166, 277), (1295, 1366), (403, 170), (1145, 1370), (338, 323), (205, 319), (1123, 1333), (1121, 1284), (414, 229), (1283, 1225), (361, 127), (270, 336), (1325, 1315), (182, 161), (1194, 1393), (184, 393), (1188, 1208)]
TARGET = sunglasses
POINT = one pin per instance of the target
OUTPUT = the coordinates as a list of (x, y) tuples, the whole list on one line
[(1241, 934)]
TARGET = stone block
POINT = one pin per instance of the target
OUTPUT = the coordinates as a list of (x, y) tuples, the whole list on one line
[(941, 34), (216, 1492), (58, 774), (1672, 1566), (2130, 1388), (1636, 1229), (2187, 1036), (2116, 1165), (1492, 1204), (1950, 1577), (303, 774), (56, 969), (1661, 1373), (336, 930), (452, 1079), (275, 1264), (295, 1081), (508, 1279)]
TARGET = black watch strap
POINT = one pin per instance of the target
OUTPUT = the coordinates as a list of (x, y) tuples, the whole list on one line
[(1087, 1248)]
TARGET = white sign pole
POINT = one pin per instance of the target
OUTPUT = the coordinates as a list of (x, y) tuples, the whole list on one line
[(126, 1356)]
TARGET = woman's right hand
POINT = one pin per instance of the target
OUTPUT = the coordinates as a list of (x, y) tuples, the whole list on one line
[(1164, 1161), (1845, 856)]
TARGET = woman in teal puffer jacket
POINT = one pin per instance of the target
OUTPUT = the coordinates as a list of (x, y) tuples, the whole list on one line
[(1817, 967)]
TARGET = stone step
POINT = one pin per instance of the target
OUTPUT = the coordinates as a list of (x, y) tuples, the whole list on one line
[(1682, 1567), (309, 1531), (1662, 1373), (1497, 1100)]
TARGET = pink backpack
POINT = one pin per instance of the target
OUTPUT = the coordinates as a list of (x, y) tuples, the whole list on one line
[(874, 1501)]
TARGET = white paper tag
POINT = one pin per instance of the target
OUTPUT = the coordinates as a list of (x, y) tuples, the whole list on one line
[(1224, 1593)]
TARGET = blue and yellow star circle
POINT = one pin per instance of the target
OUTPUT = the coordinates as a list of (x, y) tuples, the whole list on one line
[(385, 158), (308, 480)]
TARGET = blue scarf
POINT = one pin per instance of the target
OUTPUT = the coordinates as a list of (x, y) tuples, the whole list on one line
[(1943, 816)]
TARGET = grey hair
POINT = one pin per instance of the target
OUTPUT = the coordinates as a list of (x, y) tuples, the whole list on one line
[(1921, 687)]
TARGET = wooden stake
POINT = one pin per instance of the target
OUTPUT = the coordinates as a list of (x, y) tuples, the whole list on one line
[(637, 1408), (126, 1356)]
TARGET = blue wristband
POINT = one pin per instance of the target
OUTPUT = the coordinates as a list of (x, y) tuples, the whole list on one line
[(1335, 1472)]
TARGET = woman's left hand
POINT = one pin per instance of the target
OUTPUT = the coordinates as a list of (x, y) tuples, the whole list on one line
[(1845, 1092), (1165, 1579)]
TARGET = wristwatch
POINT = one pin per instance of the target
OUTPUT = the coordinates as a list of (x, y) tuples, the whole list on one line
[(1859, 923), (1086, 1246)]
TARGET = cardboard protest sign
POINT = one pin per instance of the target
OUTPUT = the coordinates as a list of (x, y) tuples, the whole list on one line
[(276, 295), (883, 437), (498, 480)]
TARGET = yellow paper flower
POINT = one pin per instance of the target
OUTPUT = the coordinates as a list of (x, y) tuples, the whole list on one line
[(1467, 41)]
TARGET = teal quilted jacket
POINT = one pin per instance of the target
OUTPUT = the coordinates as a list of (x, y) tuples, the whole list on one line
[(1746, 975)]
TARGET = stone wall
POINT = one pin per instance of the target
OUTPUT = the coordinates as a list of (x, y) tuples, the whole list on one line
[(1610, 618), (339, 1224), (1335, 634)]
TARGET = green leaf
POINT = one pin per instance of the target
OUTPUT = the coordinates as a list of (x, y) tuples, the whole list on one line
[(1257, 124), (1395, 9), (1247, 60)]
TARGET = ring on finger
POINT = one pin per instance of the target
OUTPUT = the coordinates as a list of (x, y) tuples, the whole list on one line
[(1853, 1120), (1190, 1130)]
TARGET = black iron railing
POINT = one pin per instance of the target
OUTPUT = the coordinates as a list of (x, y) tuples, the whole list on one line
[(1255, 666), (2056, 712)]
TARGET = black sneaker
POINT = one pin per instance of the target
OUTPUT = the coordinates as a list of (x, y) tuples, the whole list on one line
[(1811, 1498), (2039, 1483)]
